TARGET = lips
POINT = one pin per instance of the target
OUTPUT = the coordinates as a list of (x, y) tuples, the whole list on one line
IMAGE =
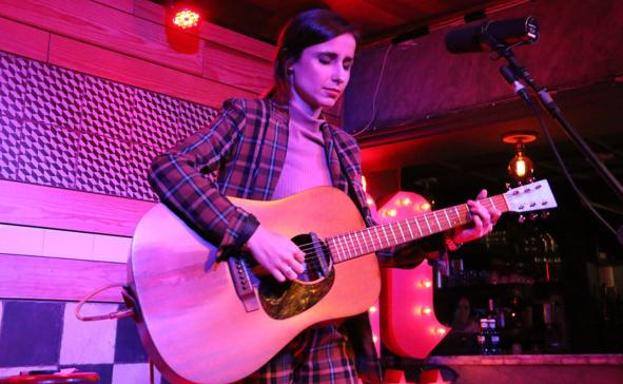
[(332, 92)]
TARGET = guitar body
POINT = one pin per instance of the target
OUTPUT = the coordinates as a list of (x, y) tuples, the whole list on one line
[(193, 323)]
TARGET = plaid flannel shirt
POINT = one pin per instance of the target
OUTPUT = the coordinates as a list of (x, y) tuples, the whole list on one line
[(241, 153)]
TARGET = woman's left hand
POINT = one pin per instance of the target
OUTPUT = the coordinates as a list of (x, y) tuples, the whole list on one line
[(483, 220)]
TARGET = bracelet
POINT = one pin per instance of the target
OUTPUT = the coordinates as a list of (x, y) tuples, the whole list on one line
[(451, 245)]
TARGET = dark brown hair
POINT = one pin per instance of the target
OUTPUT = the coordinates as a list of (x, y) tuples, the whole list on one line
[(303, 30)]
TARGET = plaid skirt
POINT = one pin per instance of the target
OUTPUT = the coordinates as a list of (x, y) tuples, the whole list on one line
[(321, 354)]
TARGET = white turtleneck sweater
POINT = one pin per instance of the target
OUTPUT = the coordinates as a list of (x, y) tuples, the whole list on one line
[(306, 162)]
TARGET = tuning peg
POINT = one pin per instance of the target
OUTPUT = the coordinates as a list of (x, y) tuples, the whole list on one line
[(521, 219), (533, 216), (509, 186), (545, 215)]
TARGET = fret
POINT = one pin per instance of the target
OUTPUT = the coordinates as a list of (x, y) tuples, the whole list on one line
[(357, 235), (345, 248), (437, 220), (427, 224), (371, 246), (358, 241), (378, 236), (391, 225), (445, 211), (458, 214), (352, 245), (401, 232), (409, 228), (333, 249), (418, 226), (385, 233), (342, 250)]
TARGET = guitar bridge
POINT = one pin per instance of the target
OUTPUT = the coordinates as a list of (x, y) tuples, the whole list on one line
[(242, 284)]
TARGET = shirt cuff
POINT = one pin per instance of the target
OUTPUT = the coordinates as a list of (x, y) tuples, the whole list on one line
[(237, 235)]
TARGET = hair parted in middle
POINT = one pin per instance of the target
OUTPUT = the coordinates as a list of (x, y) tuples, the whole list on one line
[(303, 30)]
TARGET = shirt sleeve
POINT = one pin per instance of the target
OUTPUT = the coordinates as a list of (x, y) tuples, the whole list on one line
[(184, 178)]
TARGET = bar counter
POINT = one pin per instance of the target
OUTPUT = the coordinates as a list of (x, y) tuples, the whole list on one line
[(519, 369)]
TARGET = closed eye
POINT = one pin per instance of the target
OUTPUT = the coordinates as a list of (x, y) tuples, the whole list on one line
[(328, 57)]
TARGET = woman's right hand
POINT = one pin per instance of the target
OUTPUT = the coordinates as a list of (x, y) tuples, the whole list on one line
[(278, 254)]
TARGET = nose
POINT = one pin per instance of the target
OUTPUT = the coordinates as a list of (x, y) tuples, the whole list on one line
[(340, 75)]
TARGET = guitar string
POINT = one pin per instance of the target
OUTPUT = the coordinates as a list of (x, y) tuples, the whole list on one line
[(418, 219), (311, 257)]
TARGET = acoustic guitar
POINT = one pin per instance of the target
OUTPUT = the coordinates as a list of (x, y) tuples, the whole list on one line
[(208, 321)]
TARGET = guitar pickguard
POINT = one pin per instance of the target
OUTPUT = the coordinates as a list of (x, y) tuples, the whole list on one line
[(285, 300)]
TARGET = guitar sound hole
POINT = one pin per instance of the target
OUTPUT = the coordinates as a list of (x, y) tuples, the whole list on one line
[(284, 300), (318, 262)]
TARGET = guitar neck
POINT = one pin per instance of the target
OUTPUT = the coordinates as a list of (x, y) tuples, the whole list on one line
[(353, 244)]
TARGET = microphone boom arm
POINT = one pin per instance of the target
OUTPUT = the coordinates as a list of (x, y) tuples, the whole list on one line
[(550, 105)]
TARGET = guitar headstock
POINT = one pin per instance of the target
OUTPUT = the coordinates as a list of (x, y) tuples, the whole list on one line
[(530, 197)]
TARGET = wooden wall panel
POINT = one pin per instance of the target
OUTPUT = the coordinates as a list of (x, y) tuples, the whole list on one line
[(236, 68), (38, 206), (23, 40), (117, 67), (123, 5), (43, 278), (210, 32), (133, 30), (100, 25)]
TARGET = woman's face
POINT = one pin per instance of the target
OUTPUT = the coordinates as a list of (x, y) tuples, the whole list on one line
[(321, 74)]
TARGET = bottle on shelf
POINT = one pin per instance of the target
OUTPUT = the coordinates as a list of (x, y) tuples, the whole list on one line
[(483, 337), (492, 327)]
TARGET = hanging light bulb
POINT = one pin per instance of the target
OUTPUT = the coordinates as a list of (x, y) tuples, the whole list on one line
[(520, 168)]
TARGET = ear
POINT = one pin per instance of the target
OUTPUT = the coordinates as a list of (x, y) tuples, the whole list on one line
[(289, 66)]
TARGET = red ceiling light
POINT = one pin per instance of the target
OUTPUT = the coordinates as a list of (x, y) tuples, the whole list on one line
[(183, 22), (184, 15), (185, 18)]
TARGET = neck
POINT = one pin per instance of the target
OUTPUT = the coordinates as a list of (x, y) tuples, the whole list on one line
[(354, 244), (298, 102)]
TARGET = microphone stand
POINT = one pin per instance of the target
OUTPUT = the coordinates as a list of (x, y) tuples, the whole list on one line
[(550, 105)]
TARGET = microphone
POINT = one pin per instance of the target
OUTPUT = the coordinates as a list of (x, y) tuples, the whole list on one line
[(476, 38)]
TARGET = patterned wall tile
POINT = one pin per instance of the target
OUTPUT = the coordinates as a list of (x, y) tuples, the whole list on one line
[(192, 117), (10, 140), (53, 95), (70, 130), (109, 108), (156, 119), (13, 72), (103, 164), (138, 187), (31, 333), (48, 155)]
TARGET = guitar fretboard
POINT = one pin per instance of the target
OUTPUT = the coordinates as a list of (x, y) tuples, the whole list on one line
[(353, 244)]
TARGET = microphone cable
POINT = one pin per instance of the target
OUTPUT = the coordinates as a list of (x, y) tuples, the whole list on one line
[(376, 93), (539, 115)]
